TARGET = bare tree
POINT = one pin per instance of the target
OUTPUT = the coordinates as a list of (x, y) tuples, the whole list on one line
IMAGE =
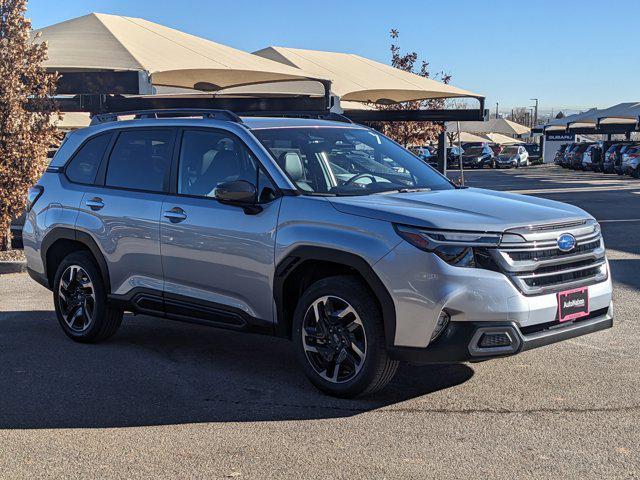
[(411, 133), (26, 107)]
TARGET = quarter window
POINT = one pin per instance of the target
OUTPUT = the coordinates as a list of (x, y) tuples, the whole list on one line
[(140, 160), (84, 165)]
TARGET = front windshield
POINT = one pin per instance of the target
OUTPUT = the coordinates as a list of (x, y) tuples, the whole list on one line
[(510, 150), (474, 151), (347, 161)]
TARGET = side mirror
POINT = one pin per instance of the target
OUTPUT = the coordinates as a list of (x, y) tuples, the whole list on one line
[(240, 193)]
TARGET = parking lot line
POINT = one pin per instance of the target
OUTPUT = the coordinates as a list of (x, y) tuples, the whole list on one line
[(615, 188)]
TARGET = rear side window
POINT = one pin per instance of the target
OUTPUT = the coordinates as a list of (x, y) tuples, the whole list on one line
[(140, 160), (86, 162)]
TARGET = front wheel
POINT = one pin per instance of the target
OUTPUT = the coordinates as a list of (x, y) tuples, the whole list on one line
[(339, 338), (80, 299)]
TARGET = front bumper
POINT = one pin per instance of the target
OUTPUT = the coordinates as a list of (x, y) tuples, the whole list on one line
[(462, 341), (422, 285)]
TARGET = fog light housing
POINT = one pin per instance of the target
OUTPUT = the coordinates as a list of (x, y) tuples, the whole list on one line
[(441, 324), (491, 340)]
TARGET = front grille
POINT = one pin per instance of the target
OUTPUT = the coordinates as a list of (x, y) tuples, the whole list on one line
[(537, 266), (562, 278), (551, 253)]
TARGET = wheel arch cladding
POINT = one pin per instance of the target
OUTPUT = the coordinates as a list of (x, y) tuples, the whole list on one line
[(306, 264), (60, 242)]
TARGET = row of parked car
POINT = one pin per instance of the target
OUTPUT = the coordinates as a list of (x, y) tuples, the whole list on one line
[(481, 155), (621, 157)]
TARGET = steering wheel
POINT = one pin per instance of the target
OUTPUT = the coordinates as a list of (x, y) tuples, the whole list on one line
[(358, 177)]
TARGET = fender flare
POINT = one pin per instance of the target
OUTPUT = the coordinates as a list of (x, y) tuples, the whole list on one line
[(63, 233), (300, 254)]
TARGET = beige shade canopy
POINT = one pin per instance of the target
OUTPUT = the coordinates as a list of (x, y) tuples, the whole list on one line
[(466, 137), (173, 58), (70, 120), (501, 139), (495, 125), (355, 78)]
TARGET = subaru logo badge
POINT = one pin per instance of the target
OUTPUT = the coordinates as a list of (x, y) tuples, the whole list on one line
[(566, 242)]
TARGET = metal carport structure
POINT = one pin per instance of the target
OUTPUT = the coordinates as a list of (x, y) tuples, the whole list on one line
[(112, 63)]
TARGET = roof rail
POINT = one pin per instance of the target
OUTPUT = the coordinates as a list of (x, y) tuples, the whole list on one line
[(336, 117), (213, 114)]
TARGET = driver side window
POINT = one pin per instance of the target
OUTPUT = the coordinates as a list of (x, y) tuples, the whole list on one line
[(208, 158)]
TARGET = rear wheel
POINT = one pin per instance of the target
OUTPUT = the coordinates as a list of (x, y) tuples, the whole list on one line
[(339, 338), (80, 300)]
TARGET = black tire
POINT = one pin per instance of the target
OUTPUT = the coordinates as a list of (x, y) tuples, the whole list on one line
[(377, 369), (104, 320), (636, 173)]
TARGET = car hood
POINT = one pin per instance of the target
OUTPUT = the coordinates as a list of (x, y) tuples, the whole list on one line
[(460, 209)]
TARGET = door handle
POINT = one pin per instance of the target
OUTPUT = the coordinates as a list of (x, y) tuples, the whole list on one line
[(95, 203), (175, 215)]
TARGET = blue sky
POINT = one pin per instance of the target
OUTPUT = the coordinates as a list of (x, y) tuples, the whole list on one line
[(571, 54)]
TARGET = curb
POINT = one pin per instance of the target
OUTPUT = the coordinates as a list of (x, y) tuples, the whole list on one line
[(12, 267)]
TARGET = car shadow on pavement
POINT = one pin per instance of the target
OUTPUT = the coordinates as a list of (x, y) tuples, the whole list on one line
[(158, 372)]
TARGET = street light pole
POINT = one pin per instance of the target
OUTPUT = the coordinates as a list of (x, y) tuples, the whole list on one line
[(536, 114)]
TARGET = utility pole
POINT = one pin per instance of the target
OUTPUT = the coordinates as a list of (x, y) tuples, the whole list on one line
[(535, 118)]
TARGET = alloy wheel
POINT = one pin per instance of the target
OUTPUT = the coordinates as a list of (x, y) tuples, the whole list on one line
[(77, 298), (334, 339)]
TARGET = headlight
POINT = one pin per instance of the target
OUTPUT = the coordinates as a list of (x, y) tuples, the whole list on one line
[(455, 248)]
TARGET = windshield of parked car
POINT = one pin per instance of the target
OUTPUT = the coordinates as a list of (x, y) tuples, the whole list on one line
[(347, 161), (510, 151)]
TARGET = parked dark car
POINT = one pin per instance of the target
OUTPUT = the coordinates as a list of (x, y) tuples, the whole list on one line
[(427, 150), (617, 158), (609, 157), (477, 156), (631, 161), (577, 154), (429, 159), (535, 154), (591, 157), (16, 232), (567, 159), (559, 154)]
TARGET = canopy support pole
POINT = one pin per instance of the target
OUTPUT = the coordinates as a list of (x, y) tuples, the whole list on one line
[(460, 155), (442, 151)]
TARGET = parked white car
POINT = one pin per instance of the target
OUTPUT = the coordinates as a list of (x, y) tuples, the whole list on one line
[(512, 156)]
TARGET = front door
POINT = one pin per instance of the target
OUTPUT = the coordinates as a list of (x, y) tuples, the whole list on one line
[(218, 260)]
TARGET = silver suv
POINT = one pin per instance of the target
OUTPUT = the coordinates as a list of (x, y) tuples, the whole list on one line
[(324, 232)]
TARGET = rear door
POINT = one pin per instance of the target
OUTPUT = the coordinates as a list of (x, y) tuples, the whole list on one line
[(218, 260), (122, 210)]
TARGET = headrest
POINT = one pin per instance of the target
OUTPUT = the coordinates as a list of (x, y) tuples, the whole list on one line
[(292, 163)]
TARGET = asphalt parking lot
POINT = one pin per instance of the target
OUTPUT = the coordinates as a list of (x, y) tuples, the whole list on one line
[(169, 400)]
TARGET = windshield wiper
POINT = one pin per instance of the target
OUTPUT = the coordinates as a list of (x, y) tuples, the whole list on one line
[(406, 190)]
